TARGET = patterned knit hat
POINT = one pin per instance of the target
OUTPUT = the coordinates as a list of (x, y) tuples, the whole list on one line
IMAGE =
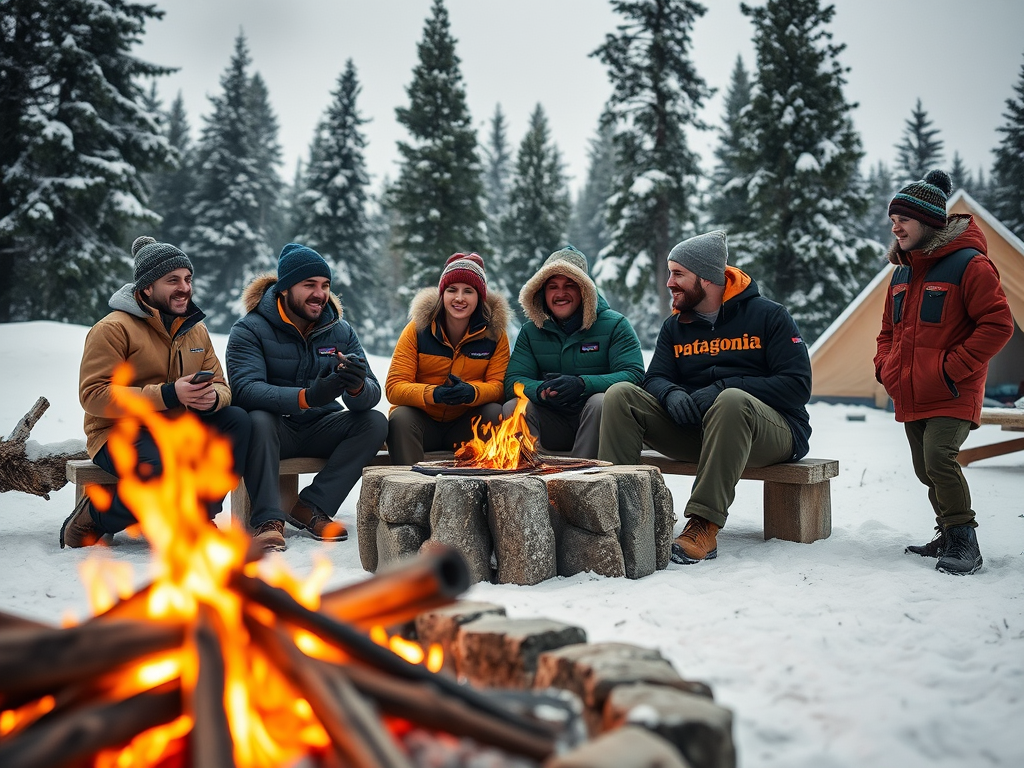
[(924, 200), (153, 260), (461, 268), (299, 262), (704, 255)]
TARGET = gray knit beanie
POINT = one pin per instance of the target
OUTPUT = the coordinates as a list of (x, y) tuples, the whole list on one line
[(153, 260), (704, 255)]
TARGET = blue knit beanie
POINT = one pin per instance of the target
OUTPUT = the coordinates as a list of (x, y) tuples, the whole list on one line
[(298, 262)]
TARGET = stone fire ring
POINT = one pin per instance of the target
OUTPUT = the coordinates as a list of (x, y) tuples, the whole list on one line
[(516, 528)]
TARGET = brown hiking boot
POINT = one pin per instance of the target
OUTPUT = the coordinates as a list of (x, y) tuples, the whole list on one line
[(269, 537), (697, 542), (319, 525), (79, 530)]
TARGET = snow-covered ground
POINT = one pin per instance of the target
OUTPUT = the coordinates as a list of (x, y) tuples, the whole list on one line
[(845, 652)]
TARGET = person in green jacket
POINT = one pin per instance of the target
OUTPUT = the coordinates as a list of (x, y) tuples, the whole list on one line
[(571, 348)]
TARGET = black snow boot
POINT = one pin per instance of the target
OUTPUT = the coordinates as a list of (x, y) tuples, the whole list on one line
[(960, 556), (932, 549)]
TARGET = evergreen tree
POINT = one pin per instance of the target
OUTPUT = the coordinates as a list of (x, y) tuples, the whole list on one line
[(392, 309), (588, 229), (75, 142), (539, 208), (728, 203), (497, 172), (656, 96), (920, 150), (437, 197), (171, 186), (798, 165), (880, 191), (1006, 199), (267, 154), (333, 205), (236, 192), (959, 174)]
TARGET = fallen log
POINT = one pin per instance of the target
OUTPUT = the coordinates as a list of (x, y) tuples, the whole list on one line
[(36, 474)]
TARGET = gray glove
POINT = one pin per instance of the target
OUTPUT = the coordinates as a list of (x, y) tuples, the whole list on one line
[(326, 387), (682, 409), (705, 397)]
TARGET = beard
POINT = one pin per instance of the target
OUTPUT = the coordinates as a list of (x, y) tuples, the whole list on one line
[(301, 309), (686, 299), (164, 305)]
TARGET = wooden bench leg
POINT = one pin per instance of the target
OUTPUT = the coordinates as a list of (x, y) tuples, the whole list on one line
[(801, 513), (241, 506)]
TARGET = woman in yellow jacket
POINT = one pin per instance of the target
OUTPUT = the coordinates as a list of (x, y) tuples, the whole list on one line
[(449, 364)]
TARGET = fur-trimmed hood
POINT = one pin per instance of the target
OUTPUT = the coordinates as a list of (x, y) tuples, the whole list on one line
[(425, 307), (957, 224), (259, 285), (569, 262)]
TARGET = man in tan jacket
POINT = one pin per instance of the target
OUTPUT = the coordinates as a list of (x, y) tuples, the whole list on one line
[(159, 331)]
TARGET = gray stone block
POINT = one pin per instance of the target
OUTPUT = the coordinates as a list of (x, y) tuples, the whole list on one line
[(366, 513), (700, 729), (520, 523), (441, 625), (397, 541), (628, 746), (636, 519), (458, 518), (586, 510), (405, 499), (664, 515), (499, 652), (579, 550)]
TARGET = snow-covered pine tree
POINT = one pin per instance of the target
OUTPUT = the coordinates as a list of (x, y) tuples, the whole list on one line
[(727, 202), (270, 188), (333, 205), (588, 228), (799, 166), (655, 99), (920, 150), (497, 176), (228, 241), (171, 186), (539, 208), (392, 309), (880, 191), (1006, 196), (438, 194), (75, 141)]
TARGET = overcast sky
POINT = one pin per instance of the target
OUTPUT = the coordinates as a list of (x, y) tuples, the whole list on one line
[(961, 58)]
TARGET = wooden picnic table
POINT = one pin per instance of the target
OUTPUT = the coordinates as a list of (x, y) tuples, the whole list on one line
[(1011, 420)]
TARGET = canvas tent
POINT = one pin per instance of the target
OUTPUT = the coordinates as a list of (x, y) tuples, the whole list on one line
[(842, 357)]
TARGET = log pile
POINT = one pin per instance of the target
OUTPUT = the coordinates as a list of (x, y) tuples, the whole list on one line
[(39, 475)]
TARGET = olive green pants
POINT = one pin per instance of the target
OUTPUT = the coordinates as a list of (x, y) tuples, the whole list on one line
[(739, 431), (934, 446)]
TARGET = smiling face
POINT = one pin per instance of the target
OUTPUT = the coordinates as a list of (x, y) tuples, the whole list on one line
[(686, 288), (460, 301), (910, 233), (305, 301), (562, 296), (171, 293)]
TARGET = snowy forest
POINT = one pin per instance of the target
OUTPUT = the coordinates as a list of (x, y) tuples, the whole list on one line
[(90, 157)]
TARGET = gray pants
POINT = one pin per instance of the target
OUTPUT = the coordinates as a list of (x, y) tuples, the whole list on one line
[(347, 439), (739, 431), (411, 431), (934, 445), (560, 430)]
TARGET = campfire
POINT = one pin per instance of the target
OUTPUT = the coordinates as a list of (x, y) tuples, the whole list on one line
[(224, 662)]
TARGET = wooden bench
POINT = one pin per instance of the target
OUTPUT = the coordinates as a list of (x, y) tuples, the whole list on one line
[(797, 495), (1012, 420)]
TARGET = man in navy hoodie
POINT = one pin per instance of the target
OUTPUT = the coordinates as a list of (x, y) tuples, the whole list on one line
[(726, 388)]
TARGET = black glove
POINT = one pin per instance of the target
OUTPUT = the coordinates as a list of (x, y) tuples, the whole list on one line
[(704, 397), (352, 372), (325, 388), (682, 409), (561, 391), (457, 392)]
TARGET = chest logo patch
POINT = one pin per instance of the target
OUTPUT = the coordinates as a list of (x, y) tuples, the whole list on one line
[(481, 354), (326, 351), (197, 349), (592, 346)]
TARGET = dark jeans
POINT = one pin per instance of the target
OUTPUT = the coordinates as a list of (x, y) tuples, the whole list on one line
[(411, 431), (934, 446), (347, 439), (232, 422), (565, 429)]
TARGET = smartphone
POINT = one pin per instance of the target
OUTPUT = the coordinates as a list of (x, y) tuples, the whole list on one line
[(201, 376)]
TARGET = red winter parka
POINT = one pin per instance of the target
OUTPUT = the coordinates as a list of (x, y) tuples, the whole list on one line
[(944, 319)]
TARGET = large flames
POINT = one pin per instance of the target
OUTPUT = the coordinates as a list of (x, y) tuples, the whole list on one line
[(507, 446)]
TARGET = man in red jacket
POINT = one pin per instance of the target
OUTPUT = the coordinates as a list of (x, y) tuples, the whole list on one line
[(945, 317)]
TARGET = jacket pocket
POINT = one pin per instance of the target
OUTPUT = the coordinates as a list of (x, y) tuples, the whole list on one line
[(931, 306), (897, 306), (930, 382)]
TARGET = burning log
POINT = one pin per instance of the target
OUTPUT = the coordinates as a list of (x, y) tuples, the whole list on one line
[(353, 727), (401, 592), (53, 742), (211, 743), (34, 662), (37, 475), (363, 649)]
